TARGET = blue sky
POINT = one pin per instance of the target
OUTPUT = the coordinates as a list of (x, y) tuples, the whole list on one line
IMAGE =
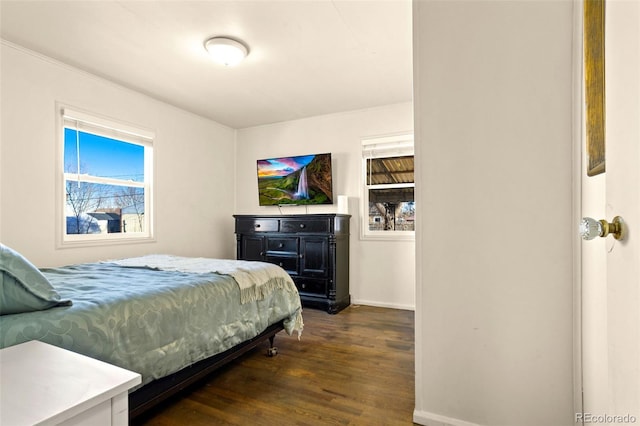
[(282, 166), (104, 157)]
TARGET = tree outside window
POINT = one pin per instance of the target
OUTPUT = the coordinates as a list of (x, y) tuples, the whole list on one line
[(107, 179)]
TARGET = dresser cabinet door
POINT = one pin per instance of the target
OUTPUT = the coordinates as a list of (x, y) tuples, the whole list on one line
[(252, 247), (314, 254)]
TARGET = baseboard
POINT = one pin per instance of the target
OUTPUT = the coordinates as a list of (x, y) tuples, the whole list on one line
[(431, 419), (383, 305)]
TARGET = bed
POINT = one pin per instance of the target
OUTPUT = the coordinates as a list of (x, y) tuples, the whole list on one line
[(172, 319)]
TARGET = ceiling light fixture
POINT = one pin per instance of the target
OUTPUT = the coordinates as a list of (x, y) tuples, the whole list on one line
[(226, 51)]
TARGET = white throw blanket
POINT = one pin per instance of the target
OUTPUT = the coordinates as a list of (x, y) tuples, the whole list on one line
[(255, 279)]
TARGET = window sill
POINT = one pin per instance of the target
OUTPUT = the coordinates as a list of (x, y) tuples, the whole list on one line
[(98, 242), (389, 236)]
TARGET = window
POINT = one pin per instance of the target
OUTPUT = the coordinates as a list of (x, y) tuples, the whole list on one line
[(388, 200), (106, 180)]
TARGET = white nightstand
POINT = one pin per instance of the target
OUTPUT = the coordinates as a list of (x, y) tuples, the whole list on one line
[(41, 384)]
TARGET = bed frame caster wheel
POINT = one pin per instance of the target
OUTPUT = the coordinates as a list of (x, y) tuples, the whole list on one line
[(272, 352)]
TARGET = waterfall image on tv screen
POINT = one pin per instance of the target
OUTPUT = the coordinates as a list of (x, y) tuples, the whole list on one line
[(303, 179)]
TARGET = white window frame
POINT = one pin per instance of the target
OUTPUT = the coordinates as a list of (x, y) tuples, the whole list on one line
[(78, 120), (377, 147)]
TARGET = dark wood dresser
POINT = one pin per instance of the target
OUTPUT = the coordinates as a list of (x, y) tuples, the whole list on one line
[(312, 248)]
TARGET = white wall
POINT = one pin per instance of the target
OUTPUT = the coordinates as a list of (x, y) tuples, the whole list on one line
[(493, 120), (381, 273), (194, 164)]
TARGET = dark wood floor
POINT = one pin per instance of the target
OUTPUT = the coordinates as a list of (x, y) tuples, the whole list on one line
[(352, 368)]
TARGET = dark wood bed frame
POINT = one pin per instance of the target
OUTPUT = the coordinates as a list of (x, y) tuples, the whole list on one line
[(151, 394)]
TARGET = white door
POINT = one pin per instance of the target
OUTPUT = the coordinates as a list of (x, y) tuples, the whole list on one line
[(610, 268)]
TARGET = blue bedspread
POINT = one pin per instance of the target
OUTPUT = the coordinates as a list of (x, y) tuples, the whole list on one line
[(149, 321)]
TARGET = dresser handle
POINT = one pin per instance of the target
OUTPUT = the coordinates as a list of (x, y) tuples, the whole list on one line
[(257, 225), (281, 264), (302, 225), (281, 245), (303, 285)]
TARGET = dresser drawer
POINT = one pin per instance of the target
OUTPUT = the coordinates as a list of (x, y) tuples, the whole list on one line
[(311, 286), (283, 244), (304, 225), (256, 225), (288, 263)]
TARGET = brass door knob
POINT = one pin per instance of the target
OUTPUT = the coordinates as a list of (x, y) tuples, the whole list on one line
[(591, 228)]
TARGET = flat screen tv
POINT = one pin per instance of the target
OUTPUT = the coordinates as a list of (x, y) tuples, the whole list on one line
[(299, 180)]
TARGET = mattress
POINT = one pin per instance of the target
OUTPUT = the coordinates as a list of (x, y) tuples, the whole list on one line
[(148, 320)]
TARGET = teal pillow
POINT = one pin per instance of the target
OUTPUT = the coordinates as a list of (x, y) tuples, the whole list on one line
[(23, 288)]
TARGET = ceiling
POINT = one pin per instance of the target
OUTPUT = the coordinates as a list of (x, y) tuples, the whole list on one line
[(306, 57)]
